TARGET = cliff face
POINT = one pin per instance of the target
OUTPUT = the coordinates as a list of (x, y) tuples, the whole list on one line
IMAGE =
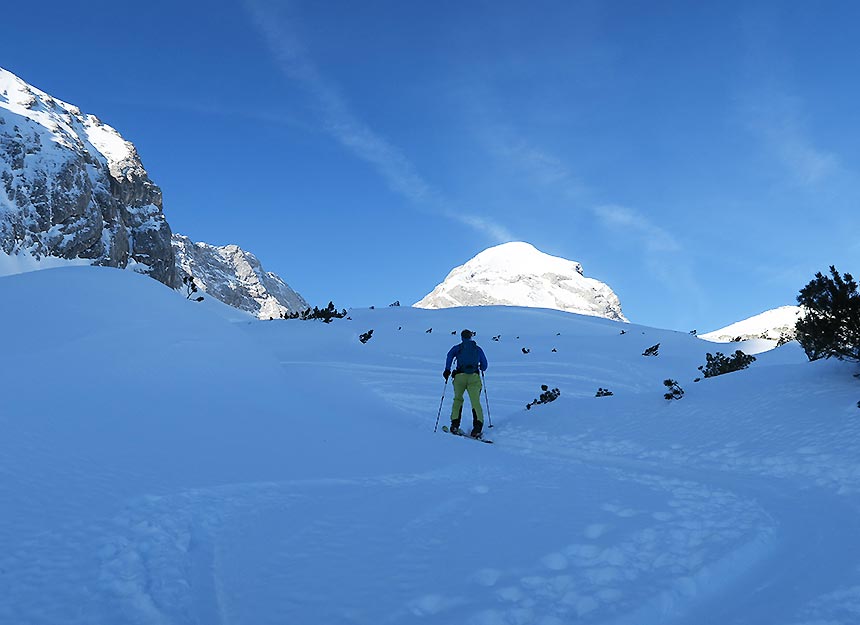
[(234, 276), (72, 187)]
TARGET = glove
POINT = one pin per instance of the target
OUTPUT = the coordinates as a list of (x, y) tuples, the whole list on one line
[(446, 373)]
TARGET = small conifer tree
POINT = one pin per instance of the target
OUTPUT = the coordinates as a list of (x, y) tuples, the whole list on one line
[(654, 350), (831, 326), (675, 391)]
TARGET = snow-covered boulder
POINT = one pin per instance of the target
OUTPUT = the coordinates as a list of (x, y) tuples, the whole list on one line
[(518, 274), (235, 277)]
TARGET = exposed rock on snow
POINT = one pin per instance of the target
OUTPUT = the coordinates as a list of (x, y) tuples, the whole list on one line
[(72, 187), (771, 324), (518, 274), (236, 277)]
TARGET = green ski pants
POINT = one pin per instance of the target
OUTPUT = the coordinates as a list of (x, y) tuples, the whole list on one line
[(470, 382)]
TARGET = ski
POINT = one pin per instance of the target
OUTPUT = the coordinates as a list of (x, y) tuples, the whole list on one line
[(445, 428)]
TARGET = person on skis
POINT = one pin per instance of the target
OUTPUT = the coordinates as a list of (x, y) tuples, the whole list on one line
[(471, 361)]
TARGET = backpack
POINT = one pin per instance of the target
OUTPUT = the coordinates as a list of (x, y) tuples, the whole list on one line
[(468, 358)]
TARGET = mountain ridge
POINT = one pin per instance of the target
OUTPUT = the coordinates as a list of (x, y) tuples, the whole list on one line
[(236, 277), (72, 188)]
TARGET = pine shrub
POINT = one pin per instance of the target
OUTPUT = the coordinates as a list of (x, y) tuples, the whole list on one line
[(546, 397), (191, 288), (675, 391), (719, 363), (326, 315), (652, 351), (831, 326)]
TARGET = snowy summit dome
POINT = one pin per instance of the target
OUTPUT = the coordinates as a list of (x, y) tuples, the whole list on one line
[(518, 274), (771, 324)]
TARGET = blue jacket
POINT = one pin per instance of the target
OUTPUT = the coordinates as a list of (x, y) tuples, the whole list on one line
[(455, 351)]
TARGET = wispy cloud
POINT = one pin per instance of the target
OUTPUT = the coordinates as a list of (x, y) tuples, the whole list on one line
[(653, 238), (662, 254), (658, 249), (769, 104), (777, 119), (529, 162), (542, 167), (342, 124), (217, 110)]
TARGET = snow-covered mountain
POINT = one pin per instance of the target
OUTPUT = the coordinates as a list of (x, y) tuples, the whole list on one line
[(773, 324), (235, 277), (518, 274), (72, 187)]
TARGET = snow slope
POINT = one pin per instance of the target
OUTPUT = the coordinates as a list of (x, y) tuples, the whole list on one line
[(166, 462), (518, 274), (770, 325)]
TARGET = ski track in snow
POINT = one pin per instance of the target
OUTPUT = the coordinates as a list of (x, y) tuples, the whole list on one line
[(583, 511), (168, 559)]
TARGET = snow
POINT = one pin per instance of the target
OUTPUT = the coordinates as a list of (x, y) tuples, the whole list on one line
[(23, 261), (62, 122), (518, 274), (769, 325), (107, 140), (168, 461)]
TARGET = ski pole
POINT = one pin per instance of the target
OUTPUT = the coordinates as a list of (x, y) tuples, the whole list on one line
[(487, 399), (439, 414)]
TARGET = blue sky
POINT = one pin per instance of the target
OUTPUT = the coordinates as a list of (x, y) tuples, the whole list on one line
[(700, 158)]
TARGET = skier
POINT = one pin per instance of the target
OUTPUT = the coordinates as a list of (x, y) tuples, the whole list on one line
[(467, 377)]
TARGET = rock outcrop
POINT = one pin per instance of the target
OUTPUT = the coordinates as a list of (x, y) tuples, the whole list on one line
[(234, 276), (72, 187)]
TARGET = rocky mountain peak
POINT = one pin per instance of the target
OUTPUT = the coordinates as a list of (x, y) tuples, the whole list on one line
[(72, 187), (518, 274)]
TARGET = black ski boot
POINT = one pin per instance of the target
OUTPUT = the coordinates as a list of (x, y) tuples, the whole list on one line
[(477, 428), (455, 426)]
